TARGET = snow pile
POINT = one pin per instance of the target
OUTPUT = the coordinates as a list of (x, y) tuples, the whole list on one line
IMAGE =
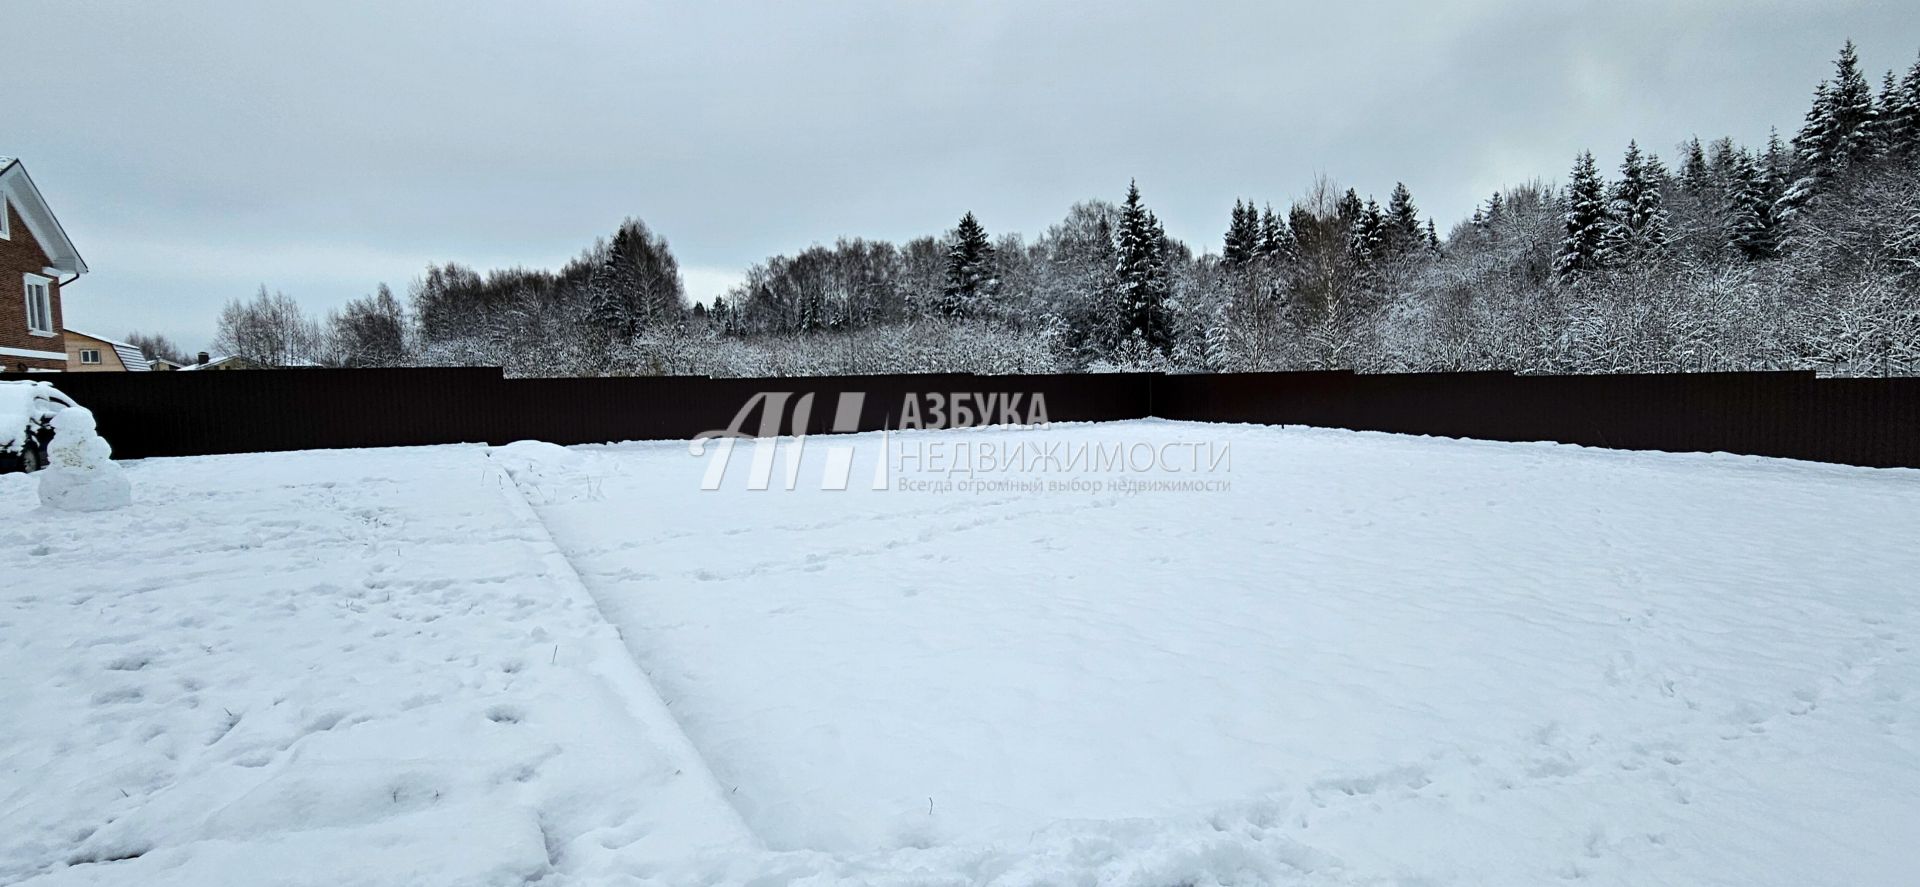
[(80, 474)]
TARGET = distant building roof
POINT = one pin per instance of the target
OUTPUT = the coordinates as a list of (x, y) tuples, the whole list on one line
[(213, 363), (130, 356)]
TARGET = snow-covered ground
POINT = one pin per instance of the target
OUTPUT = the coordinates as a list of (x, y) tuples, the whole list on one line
[(1354, 659)]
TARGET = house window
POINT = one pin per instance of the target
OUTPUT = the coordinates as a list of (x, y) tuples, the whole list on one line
[(4, 233), (89, 355), (39, 305)]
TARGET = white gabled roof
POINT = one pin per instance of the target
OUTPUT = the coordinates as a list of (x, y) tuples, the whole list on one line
[(130, 356), (18, 189)]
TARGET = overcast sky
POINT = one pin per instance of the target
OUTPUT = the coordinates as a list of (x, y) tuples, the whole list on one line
[(196, 150)]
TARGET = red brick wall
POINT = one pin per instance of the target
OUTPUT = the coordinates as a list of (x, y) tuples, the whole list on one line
[(19, 256)]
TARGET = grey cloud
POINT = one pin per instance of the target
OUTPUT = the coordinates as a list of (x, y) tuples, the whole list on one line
[(197, 150)]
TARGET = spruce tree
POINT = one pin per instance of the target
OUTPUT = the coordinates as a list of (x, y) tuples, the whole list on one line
[(1243, 236), (970, 270), (1776, 167), (1813, 146), (1277, 243), (1639, 215), (1886, 116), (1750, 222), (612, 290), (1586, 223), (1403, 233), (1348, 209), (1433, 237), (1367, 239), (1839, 127), (1141, 275), (1693, 169), (1495, 205), (1903, 118), (1853, 107)]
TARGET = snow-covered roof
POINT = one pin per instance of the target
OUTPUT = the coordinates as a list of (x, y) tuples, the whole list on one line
[(130, 356), (211, 363), (18, 189)]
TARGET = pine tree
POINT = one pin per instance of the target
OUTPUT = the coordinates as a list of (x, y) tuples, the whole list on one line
[(1495, 205), (1750, 222), (970, 270), (1693, 169), (1403, 233), (1432, 238), (1243, 236), (1583, 248), (1639, 216), (1141, 275)]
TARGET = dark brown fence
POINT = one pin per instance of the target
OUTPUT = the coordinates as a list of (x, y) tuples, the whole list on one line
[(1873, 422)]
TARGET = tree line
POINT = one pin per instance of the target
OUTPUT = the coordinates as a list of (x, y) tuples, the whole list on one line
[(1789, 255)]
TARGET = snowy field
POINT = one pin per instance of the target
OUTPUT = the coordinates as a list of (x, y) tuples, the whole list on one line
[(1356, 659)]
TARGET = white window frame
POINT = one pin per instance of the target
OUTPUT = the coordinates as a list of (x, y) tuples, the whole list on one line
[(90, 351), (5, 234), (45, 284)]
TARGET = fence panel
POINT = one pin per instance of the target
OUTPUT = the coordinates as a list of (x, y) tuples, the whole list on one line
[(1874, 422)]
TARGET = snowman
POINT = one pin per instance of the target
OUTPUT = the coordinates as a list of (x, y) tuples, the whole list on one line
[(79, 475)]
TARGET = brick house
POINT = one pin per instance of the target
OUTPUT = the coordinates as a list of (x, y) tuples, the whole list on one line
[(36, 262)]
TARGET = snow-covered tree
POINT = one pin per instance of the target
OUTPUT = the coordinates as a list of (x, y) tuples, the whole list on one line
[(1693, 168), (1243, 240), (1403, 234), (1140, 274), (636, 286), (1586, 223), (1750, 223), (1840, 127), (1902, 115), (971, 277), (1277, 243), (1367, 239), (1640, 226)]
